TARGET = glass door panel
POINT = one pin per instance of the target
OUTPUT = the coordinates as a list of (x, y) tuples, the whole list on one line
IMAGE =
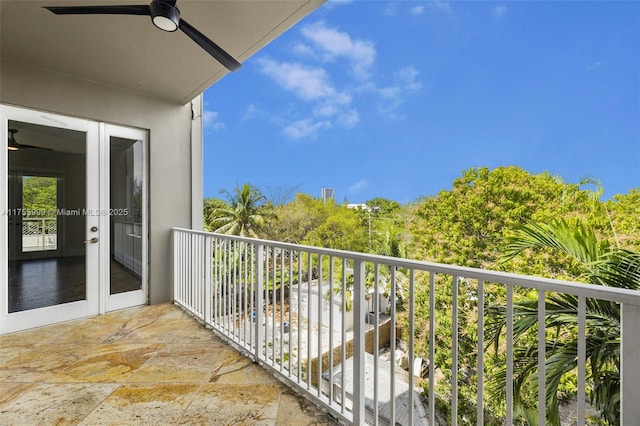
[(52, 186), (127, 220), (40, 275)]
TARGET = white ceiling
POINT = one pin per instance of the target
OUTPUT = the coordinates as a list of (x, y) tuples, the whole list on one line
[(130, 53)]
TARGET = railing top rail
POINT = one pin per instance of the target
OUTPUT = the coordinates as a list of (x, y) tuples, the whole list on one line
[(612, 294)]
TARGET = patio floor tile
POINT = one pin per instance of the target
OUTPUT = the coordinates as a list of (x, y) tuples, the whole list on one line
[(146, 365)]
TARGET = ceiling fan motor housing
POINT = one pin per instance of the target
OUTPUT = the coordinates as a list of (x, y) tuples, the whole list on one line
[(164, 15)]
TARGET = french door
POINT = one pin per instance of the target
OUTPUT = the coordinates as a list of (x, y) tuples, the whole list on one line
[(73, 227)]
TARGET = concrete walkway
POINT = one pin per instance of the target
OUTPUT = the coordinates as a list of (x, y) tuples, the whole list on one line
[(149, 365)]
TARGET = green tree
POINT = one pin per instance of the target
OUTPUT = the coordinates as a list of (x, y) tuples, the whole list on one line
[(341, 230), (624, 210), (390, 239), (40, 194), (293, 221), (383, 207), (468, 225), (209, 205), (600, 263), (244, 215)]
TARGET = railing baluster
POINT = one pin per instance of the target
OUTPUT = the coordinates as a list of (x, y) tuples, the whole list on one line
[(254, 295), (629, 362), (582, 359), (245, 286), (319, 323), (509, 375), (412, 316), (359, 304), (175, 236), (392, 348), (331, 325), (542, 346), (454, 352), (282, 287), (299, 316), (432, 345), (207, 282), (234, 297), (309, 279), (290, 253), (343, 341), (199, 275), (376, 341), (274, 275), (259, 301), (480, 368)]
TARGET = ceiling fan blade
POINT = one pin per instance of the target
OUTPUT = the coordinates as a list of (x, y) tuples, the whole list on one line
[(100, 10), (213, 49)]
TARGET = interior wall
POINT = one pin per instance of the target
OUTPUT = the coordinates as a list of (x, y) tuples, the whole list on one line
[(169, 152)]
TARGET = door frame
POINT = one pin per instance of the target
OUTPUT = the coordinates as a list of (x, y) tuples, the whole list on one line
[(98, 300)]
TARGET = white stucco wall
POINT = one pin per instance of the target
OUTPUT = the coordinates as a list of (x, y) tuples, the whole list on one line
[(171, 182)]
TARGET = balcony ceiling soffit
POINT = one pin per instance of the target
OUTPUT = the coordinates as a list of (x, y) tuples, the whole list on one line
[(128, 52)]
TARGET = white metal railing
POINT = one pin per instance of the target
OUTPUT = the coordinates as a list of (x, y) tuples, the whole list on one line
[(39, 234), (289, 308)]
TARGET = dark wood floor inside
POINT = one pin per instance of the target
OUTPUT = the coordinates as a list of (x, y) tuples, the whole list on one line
[(46, 282)]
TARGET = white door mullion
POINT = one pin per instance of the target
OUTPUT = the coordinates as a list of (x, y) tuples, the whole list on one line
[(103, 173)]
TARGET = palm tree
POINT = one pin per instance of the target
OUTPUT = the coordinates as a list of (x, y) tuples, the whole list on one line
[(244, 215), (600, 263)]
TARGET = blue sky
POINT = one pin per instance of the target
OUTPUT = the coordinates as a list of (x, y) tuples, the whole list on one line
[(396, 99)]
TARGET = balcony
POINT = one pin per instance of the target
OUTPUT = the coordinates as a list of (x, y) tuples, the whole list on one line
[(328, 323)]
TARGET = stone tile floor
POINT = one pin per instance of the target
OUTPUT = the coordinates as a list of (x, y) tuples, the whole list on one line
[(148, 365)]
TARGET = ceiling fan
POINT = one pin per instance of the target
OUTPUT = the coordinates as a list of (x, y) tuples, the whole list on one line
[(14, 145), (164, 15)]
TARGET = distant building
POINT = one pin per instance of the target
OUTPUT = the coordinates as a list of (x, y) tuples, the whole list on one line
[(359, 207), (327, 194)]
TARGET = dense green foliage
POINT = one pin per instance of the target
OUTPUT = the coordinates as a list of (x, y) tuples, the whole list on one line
[(600, 263), (477, 223), (39, 195)]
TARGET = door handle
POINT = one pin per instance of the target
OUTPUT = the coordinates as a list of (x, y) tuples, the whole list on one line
[(93, 240)]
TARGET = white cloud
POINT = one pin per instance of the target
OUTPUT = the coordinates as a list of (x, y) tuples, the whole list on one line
[(252, 111), (328, 105), (302, 49), (310, 84), (407, 78), (326, 110), (349, 118), (305, 82), (405, 82), (210, 120), (304, 128), (441, 6), (334, 44), (390, 9), (500, 11), (359, 185), (417, 10), (594, 65)]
